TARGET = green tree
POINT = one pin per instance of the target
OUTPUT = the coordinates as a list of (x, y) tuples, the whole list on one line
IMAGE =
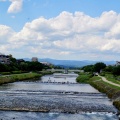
[(99, 66), (109, 68), (3, 68), (88, 68), (116, 70)]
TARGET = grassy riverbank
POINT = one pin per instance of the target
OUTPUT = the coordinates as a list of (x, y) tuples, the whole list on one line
[(18, 77), (112, 78), (44, 72), (83, 77), (112, 91)]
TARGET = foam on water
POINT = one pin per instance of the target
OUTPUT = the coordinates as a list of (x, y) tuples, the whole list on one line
[(9, 115)]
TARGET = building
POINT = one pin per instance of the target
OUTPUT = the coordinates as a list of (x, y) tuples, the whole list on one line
[(34, 59), (117, 63), (20, 61), (46, 63), (4, 59)]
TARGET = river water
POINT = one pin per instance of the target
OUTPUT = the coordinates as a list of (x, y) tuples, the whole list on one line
[(54, 97)]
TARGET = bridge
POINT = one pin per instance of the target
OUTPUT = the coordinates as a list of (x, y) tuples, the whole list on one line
[(65, 70)]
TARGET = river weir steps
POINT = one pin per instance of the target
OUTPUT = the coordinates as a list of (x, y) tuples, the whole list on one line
[(58, 94)]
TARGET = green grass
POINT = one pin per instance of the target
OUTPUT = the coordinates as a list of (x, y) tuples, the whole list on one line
[(45, 72), (98, 79), (112, 78), (95, 78), (113, 86), (111, 91), (18, 77), (5, 73), (83, 78)]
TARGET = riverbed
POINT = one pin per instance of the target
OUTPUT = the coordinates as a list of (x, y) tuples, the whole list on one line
[(54, 97)]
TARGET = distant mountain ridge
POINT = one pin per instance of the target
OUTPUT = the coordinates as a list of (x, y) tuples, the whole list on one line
[(71, 63)]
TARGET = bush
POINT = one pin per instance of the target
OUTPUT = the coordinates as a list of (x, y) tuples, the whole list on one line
[(5, 73), (83, 78), (102, 74), (116, 103), (16, 72)]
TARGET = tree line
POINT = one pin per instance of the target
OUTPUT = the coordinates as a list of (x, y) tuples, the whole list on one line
[(102, 67), (16, 65)]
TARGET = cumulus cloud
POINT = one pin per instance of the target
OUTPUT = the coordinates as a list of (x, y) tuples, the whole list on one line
[(16, 6), (5, 33), (67, 36)]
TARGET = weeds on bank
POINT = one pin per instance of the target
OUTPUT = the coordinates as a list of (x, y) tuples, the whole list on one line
[(18, 77)]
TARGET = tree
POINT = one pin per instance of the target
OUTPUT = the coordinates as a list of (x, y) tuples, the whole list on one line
[(3, 68), (116, 70), (99, 66), (35, 66), (109, 68), (88, 68)]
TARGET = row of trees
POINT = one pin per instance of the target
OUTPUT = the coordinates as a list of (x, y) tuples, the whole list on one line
[(21, 66), (94, 68), (98, 67)]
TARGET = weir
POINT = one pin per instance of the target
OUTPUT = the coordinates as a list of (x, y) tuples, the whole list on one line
[(47, 96)]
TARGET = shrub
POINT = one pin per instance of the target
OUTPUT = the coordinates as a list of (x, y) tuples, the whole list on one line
[(16, 72), (83, 78), (5, 73)]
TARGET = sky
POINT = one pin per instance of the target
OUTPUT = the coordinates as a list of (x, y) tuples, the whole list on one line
[(61, 29)]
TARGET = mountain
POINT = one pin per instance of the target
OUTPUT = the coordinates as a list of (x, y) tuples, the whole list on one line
[(71, 63)]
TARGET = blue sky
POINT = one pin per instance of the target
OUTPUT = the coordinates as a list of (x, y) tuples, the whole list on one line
[(60, 29), (33, 9)]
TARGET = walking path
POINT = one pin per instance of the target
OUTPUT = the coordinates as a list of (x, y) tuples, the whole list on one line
[(105, 80)]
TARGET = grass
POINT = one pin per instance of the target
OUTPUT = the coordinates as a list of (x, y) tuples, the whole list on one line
[(83, 78), (110, 90), (18, 77), (94, 78), (113, 86), (45, 72), (112, 78)]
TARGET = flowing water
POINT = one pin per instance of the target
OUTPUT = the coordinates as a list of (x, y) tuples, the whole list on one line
[(54, 97)]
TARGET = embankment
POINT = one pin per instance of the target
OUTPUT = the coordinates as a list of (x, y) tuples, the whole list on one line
[(18, 77), (111, 91)]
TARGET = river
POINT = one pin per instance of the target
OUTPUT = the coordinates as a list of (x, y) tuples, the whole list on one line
[(54, 97)]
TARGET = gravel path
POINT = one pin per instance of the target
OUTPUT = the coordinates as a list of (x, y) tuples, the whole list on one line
[(105, 80)]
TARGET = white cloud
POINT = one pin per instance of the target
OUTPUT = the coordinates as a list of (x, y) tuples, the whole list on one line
[(5, 33), (114, 31), (16, 6), (67, 36)]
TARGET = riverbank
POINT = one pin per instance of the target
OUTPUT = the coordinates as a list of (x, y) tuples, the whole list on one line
[(111, 90), (18, 77)]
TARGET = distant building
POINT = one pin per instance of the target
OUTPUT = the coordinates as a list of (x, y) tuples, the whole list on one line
[(117, 63), (46, 63), (66, 71), (20, 60), (4, 59), (34, 59)]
